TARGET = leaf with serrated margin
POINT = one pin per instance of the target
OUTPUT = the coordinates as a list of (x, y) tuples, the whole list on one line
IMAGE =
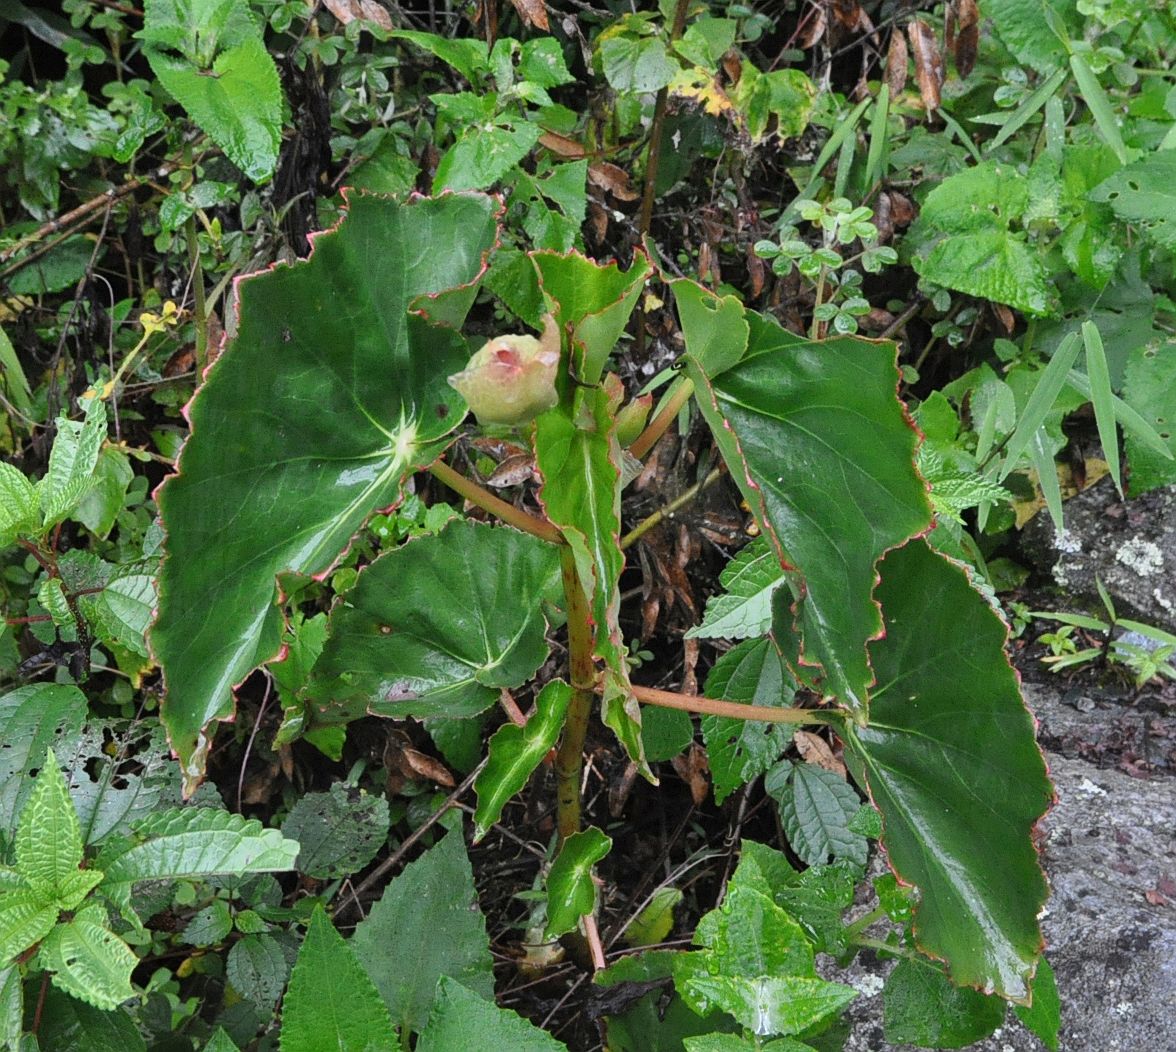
[(48, 837), (11, 1007), (20, 510), (331, 392), (823, 451), (754, 673), (816, 807), (460, 1019), (745, 608), (571, 891), (71, 462), (768, 1004), (516, 751), (330, 1002), (89, 961), (32, 719), (191, 842), (426, 925), (578, 455), (950, 760), (750, 935), (394, 650), (122, 611), (25, 919)]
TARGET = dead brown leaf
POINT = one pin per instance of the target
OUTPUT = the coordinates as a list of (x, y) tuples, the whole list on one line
[(928, 63), (815, 750), (347, 11), (512, 471), (615, 180), (896, 64), (964, 20), (424, 765), (533, 12), (562, 145), (692, 768)]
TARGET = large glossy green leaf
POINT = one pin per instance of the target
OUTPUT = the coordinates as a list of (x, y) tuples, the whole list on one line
[(578, 455), (823, 452), (426, 925), (33, 718), (333, 389), (516, 751), (396, 649), (950, 760), (461, 1021), (331, 1004), (48, 836), (571, 891)]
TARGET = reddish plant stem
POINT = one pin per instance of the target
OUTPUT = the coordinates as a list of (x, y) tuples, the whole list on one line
[(660, 424), (508, 513), (569, 760), (735, 710)]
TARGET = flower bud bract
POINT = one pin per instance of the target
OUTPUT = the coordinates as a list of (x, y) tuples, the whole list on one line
[(511, 379)]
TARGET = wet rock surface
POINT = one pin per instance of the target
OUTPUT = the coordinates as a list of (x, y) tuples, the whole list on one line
[(1109, 850), (1130, 546)]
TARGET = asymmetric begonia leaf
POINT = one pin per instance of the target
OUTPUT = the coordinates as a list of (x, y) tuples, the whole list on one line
[(579, 457), (950, 760), (823, 451), (394, 650), (592, 302), (331, 1003), (426, 925), (571, 891), (332, 390), (460, 1019), (516, 751)]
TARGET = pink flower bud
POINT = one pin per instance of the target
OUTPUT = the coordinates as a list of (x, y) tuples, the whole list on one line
[(512, 378)]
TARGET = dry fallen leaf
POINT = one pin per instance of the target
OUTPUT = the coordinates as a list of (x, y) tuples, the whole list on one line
[(691, 767), (928, 63), (615, 180), (347, 11), (563, 145), (533, 12), (427, 767), (815, 750), (962, 33), (896, 64)]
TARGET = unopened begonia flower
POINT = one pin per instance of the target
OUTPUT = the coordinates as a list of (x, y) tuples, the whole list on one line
[(511, 379)]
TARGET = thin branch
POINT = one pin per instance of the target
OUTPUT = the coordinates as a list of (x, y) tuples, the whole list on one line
[(660, 424), (508, 513), (733, 709), (682, 500)]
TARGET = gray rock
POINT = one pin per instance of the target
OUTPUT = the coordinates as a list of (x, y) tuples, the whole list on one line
[(1109, 841), (1130, 546)]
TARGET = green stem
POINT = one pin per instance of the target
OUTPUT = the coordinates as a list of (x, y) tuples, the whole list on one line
[(863, 922), (679, 395), (569, 760), (686, 497), (735, 710), (508, 513), (815, 330), (198, 289), (894, 951)]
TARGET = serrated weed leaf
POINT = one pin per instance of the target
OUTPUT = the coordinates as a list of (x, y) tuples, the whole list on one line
[(571, 891), (89, 961), (48, 836), (331, 1003), (516, 751), (305, 426), (460, 1019)]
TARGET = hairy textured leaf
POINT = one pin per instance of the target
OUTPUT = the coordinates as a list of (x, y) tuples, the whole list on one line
[(516, 751), (745, 608), (71, 462), (192, 842), (25, 919), (20, 508), (331, 391), (750, 935), (1150, 389), (920, 1007), (483, 155), (461, 1020), (824, 453), (11, 1007), (331, 1004), (1145, 193), (637, 63), (257, 969), (123, 609), (339, 831), (427, 924), (769, 1004), (754, 673), (238, 102), (951, 762), (68, 1023), (816, 807), (89, 961), (393, 650), (32, 719), (571, 891), (48, 837)]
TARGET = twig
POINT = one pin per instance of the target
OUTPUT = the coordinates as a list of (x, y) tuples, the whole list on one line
[(661, 423), (735, 710), (685, 498), (508, 513), (393, 860)]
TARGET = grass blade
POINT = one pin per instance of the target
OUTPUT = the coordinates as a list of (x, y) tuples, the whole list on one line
[(1101, 395), (1128, 418), (1047, 475), (1028, 108), (1053, 379), (1100, 106)]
